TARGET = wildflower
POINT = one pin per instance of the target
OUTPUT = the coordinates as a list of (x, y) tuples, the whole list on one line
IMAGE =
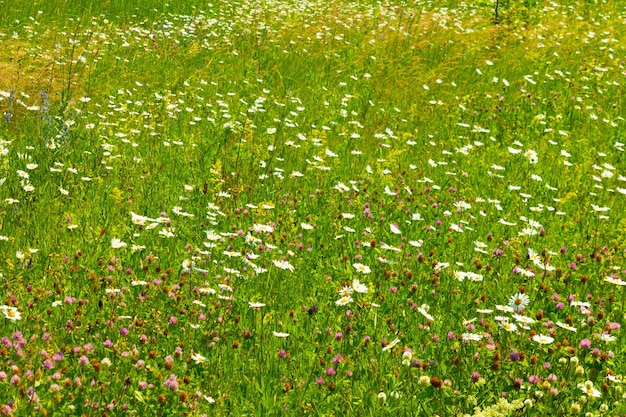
[(606, 337), (613, 378), (281, 335), (171, 383), (565, 326), (138, 219), (506, 309), (11, 313), (117, 243), (345, 291), (198, 358), (588, 388), (346, 299), (391, 345), (423, 381), (441, 265), (255, 305), (523, 319), (358, 287), (508, 326), (514, 150), (225, 287), (467, 337), (407, 356), (423, 309), (187, 265), (167, 232), (473, 276), (362, 268), (460, 275), (519, 301), (284, 265), (263, 228), (531, 156), (614, 280), (542, 339)]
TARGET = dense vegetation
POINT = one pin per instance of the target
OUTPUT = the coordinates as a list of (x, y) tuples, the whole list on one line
[(312, 208)]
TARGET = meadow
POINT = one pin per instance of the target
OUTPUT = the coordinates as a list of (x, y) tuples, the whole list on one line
[(324, 207)]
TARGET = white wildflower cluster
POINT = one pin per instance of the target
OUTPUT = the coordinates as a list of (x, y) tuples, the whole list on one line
[(503, 408)]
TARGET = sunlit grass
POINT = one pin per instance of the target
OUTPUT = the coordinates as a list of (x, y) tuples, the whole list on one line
[(325, 208)]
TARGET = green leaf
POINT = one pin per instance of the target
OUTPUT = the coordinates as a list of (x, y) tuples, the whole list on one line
[(268, 317), (427, 393), (139, 397)]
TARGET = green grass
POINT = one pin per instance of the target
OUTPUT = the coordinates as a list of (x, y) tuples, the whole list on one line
[(211, 179)]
